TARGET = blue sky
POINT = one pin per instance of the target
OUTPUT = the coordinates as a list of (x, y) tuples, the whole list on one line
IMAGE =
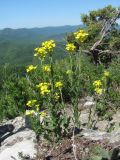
[(41, 13)]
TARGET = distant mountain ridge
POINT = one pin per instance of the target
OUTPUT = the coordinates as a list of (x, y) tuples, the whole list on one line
[(17, 45), (35, 34)]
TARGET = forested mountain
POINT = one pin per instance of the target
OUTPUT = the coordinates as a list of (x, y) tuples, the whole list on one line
[(17, 45)]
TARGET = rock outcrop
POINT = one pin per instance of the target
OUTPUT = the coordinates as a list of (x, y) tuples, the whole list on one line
[(17, 141)]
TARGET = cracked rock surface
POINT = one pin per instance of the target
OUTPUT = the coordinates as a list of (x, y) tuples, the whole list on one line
[(18, 140)]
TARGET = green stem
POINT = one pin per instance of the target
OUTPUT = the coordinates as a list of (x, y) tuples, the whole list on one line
[(71, 64), (61, 98), (52, 74)]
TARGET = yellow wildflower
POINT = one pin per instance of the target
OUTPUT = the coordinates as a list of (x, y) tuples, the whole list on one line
[(81, 35), (49, 45), (36, 49), (42, 114), (58, 84), (68, 72), (97, 83), (44, 88), (70, 47), (106, 74), (40, 52), (37, 107), (31, 103), (46, 68), (57, 96), (29, 112), (31, 68), (98, 90)]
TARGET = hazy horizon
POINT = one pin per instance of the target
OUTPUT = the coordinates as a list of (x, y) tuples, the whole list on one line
[(41, 27)]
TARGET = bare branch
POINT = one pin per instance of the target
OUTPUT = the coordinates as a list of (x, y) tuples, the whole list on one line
[(105, 30), (109, 51)]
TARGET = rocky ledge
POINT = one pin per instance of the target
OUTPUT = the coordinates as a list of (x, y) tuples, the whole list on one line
[(18, 140)]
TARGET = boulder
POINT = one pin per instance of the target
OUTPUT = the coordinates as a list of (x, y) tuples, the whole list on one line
[(113, 137), (21, 140), (102, 125)]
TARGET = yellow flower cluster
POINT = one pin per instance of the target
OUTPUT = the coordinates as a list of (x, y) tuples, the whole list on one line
[(30, 112), (47, 47), (97, 84), (98, 90), (31, 103), (106, 74), (81, 35), (42, 114), (58, 84), (44, 88), (70, 47), (40, 52), (31, 68), (56, 96), (46, 68)]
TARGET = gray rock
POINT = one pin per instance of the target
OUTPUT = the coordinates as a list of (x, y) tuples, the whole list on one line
[(95, 135), (22, 140), (102, 125), (116, 120), (116, 117), (84, 118), (113, 137), (86, 103), (18, 123), (88, 117), (89, 104), (90, 99)]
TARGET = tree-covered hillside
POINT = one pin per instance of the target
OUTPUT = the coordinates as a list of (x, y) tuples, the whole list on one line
[(17, 45)]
